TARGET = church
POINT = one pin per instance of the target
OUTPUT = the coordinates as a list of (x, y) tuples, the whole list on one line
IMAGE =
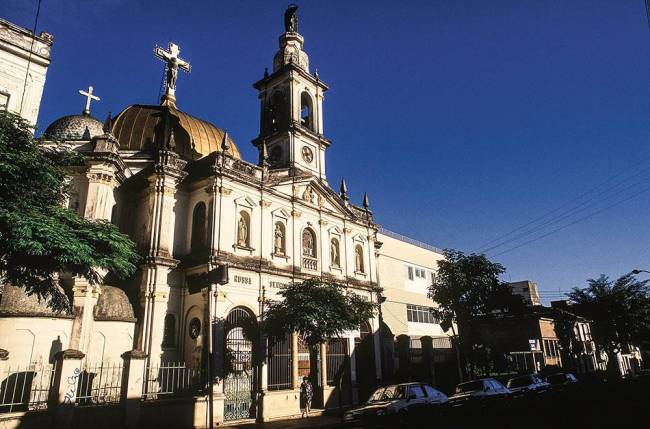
[(178, 187)]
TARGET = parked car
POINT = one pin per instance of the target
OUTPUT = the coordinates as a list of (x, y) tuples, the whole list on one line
[(483, 389), (393, 400), (529, 383), (561, 379)]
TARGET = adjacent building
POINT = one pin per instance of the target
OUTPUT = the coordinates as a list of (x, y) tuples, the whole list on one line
[(414, 345), (24, 60)]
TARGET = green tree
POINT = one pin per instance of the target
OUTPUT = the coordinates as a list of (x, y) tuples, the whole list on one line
[(317, 310), (619, 312), (466, 287), (39, 238)]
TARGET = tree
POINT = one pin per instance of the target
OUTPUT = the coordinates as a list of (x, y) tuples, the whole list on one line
[(317, 310), (619, 312), (39, 237), (466, 287)]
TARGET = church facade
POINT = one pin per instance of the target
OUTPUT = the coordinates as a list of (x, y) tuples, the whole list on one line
[(177, 185)]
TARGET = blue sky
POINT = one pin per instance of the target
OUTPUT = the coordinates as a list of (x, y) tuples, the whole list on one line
[(463, 120)]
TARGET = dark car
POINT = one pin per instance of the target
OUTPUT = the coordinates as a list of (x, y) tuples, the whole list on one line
[(479, 390), (561, 379), (529, 383), (395, 400)]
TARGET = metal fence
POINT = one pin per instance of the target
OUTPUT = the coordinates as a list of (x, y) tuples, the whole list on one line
[(99, 384), (171, 379), (25, 388), (338, 361), (279, 368)]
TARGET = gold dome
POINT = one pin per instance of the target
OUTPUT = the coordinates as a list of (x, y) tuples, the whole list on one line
[(139, 127)]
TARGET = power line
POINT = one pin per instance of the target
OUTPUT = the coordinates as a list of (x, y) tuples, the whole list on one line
[(574, 222), (562, 206), (29, 58), (580, 208)]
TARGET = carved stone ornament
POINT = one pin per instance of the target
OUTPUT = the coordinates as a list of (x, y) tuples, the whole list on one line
[(296, 214), (309, 195)]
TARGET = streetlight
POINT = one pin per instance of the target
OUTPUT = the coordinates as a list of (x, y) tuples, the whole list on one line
[(637, 271)]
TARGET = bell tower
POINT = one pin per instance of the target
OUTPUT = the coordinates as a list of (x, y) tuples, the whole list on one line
[(291, 98)]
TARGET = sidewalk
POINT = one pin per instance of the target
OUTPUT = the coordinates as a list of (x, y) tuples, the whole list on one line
[(321, 422)]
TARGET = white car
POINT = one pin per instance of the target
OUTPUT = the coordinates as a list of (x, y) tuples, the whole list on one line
[(485, 388), (396, 399), (529, 383)]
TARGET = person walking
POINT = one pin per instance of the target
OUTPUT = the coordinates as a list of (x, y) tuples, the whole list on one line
[(306, 394)]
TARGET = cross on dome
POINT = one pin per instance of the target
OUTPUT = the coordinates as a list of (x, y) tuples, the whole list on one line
[(172, 63), (89, 97)]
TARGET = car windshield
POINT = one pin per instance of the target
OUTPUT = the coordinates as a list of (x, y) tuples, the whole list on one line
[(388, 393), (556, 378), (520, 381), (470, 386)]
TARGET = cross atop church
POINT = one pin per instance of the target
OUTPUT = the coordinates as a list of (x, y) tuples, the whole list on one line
[(173, 63), (89, 97)]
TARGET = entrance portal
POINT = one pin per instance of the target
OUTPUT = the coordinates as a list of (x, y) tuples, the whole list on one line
[(239, 384)]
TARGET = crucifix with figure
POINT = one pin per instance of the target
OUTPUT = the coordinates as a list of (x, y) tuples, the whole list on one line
[(173, 63), (89, 97)]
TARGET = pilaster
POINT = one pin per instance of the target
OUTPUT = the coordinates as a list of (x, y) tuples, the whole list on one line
[(154, 287)]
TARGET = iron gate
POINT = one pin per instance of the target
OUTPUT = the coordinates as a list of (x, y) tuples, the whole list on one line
[(239, 384)]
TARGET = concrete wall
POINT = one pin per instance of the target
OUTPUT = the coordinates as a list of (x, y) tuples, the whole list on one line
[(34, 339), (394, 258)]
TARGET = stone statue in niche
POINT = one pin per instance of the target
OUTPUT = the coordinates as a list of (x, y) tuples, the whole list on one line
[(242, 232), (279, 240), (359, 260), (308, 244), (334, 253)]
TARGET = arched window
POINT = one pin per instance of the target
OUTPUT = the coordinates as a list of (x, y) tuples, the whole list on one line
[(279, 239), (358, 259), (309, 243), (335, 254), (244, 229), (198, 239), (169, 331), (306, 111)]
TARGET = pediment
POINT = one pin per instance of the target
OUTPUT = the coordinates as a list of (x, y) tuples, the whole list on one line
[(246, 201), (281, 212)]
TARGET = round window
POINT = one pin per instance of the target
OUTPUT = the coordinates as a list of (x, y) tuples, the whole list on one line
[(195, 328)]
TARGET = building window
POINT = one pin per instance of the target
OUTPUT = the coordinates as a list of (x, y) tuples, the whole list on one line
[(4, 101), (197, 242), (419, 314), (433, 277), (338, 362), (358, 259), (169, 331), (409, 271), (335, 254), (243, 229), (551, 348), (279, 239), (306, 111)]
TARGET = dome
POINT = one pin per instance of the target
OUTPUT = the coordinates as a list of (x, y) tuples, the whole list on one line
[(113, 304), (74, 127), (138, 127), (14, 301)]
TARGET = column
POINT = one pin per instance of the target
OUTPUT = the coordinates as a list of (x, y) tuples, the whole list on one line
[(353, 369), (154, 286), (295, 382), (84, 299), (133, 378), (64, 388), (327, 390)]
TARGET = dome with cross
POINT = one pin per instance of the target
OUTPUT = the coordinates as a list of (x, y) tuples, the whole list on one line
[(74, 127)]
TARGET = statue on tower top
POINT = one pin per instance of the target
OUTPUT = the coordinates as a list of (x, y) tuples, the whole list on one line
[(291, 19)]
